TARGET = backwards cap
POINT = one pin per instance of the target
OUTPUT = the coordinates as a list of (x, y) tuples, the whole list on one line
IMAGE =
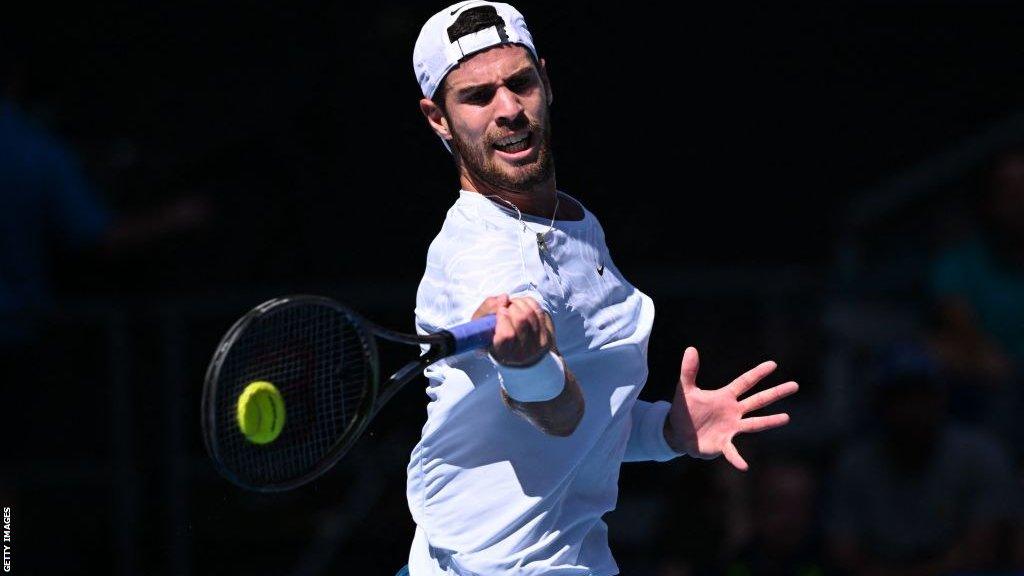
[(463, 29)]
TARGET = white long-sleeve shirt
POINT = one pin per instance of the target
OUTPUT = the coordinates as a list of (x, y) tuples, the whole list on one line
[(490, 493)]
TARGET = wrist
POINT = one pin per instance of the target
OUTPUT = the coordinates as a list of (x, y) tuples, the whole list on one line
[(543, 380), (670, 436), (649, 435), (513, 360)]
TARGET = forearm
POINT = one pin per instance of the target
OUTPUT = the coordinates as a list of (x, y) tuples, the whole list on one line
[(558, 416)]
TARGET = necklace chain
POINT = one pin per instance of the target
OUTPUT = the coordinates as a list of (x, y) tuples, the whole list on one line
[(541, 236)]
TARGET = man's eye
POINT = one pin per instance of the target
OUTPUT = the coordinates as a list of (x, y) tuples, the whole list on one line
[(481, 97), (519, 84)]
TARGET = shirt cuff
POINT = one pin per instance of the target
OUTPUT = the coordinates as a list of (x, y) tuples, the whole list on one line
[(647, 441)]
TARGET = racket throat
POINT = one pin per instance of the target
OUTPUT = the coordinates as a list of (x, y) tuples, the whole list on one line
[(399, 379)]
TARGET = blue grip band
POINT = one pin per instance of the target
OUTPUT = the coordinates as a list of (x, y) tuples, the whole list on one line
[(474, 334)]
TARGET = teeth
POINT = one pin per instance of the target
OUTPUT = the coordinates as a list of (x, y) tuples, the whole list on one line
[(508, 140)]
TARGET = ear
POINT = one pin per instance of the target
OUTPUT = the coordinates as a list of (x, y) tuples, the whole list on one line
[(547, 81), (438, 123)]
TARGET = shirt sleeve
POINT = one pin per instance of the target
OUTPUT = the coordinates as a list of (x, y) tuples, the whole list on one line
[(646, 434)]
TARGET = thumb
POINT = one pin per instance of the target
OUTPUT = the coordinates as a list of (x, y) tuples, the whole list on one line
[(688, 369)]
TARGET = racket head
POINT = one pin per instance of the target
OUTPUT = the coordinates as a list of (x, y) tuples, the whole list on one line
[(322, 358)]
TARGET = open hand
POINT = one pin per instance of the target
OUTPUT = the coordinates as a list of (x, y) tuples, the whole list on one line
[(702, 423)]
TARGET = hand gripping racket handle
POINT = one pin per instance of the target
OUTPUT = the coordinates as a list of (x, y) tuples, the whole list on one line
[(474, 334)]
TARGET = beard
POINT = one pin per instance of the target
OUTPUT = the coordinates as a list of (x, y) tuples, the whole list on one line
[(480, 162)]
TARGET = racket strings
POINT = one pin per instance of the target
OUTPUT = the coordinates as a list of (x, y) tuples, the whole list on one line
[(320, 361)]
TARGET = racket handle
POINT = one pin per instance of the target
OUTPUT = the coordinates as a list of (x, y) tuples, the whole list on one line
[(474, 334)]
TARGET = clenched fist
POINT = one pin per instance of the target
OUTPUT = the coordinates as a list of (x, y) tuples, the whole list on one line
[(523, 332)]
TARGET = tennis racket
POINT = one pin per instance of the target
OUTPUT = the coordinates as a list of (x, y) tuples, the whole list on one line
[(307, 368)]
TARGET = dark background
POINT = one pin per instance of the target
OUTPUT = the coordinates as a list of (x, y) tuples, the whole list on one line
[(727, 150)]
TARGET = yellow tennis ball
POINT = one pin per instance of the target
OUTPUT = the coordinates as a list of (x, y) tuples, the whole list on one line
[(261, 412)]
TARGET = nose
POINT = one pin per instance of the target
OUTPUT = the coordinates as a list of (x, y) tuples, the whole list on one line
[(508, 108)]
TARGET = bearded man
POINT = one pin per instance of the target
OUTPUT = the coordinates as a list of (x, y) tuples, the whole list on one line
[(520, 454)]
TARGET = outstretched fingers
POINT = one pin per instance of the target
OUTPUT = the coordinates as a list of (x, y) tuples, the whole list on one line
[(769, 396), (760, 423), (750, 378), (733, 456), (688, 368)]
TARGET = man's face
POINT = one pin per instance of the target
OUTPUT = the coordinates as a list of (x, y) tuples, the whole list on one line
[(496, 105)]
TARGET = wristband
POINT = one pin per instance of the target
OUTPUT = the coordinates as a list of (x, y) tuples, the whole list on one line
[(537, 383)]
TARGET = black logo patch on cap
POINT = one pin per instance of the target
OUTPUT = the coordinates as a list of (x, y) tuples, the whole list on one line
[(476, 19)]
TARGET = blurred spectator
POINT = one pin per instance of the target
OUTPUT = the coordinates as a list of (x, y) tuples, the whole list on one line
[(920, 495), (49, 211), (46, 201), (784, 539), (978, 284), (48, 205)]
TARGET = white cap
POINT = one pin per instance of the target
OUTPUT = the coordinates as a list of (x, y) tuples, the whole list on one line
[(436, 52)]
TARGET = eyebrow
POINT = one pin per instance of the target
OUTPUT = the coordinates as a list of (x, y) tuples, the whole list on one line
[(466, 90)]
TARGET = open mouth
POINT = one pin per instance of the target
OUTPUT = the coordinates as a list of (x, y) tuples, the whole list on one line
[(515, 143)]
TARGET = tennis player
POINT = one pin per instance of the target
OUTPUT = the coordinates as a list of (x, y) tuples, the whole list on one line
[(520, 454)]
